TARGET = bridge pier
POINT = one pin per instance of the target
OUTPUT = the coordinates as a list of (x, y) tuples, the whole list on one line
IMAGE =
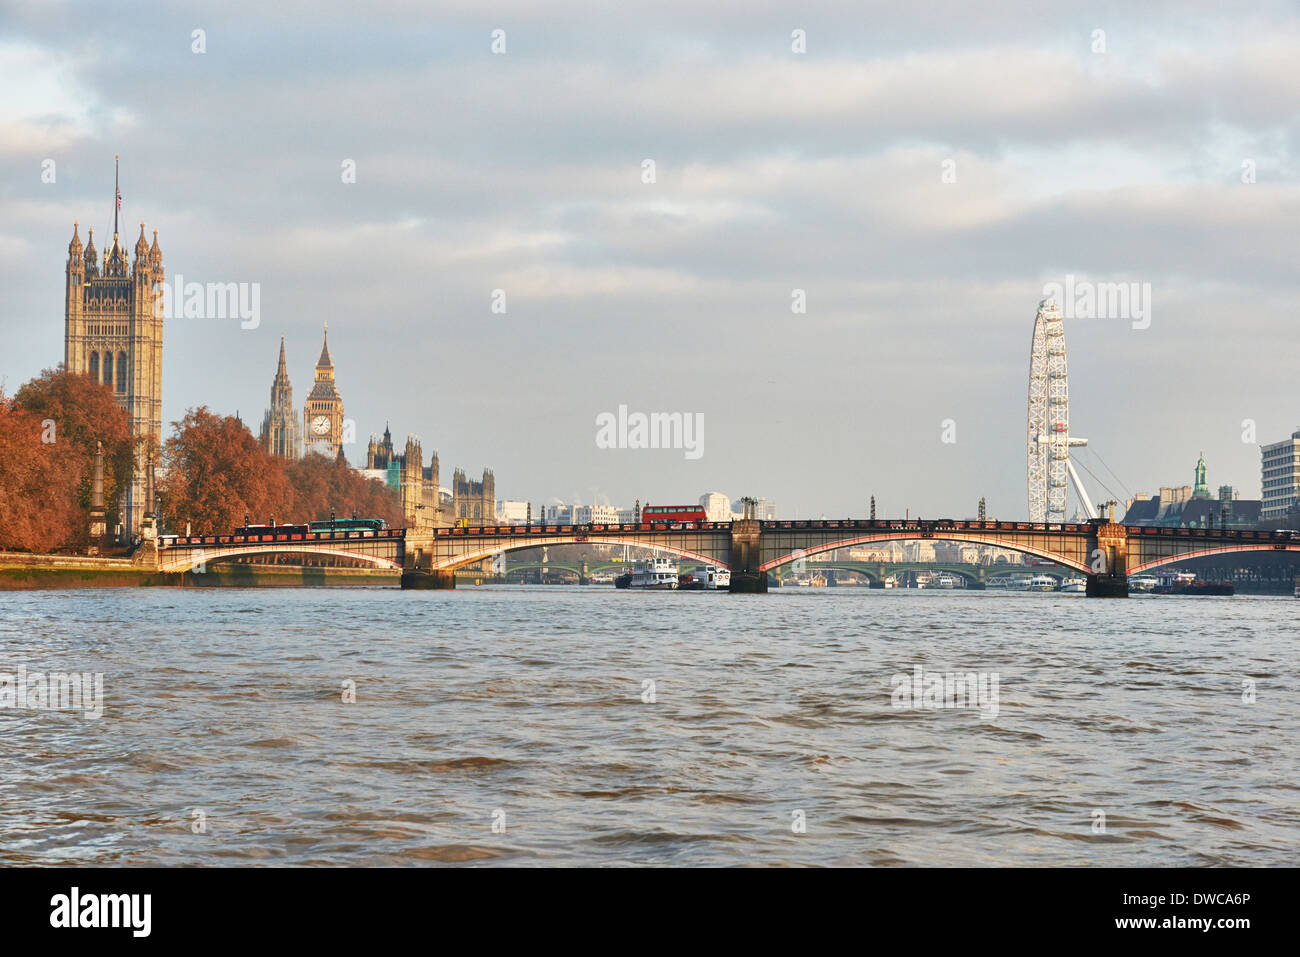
[(415, 578), (747, 578), (1107, 586), (1109, 543)]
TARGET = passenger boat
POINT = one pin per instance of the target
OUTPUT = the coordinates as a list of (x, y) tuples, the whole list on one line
[(706, 578), (1075, 586), (1186, 583), (1041, 583), (946, 580), (658, 573), (1142, 583), (1016, 582)]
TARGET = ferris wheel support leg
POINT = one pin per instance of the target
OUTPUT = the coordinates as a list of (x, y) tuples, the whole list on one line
[(1079, 490)]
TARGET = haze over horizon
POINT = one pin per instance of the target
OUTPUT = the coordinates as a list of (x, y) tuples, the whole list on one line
[(775, 171)]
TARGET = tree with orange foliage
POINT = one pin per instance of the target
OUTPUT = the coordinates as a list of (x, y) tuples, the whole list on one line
[(84, 413), (51, 428), (321, 484), (215, 472), (38, 484)]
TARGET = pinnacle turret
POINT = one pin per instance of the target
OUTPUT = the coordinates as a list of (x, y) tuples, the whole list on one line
[(324, 360), (92, 255)]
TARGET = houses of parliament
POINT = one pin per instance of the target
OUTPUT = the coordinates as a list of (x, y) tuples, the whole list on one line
[(113, 333), (324, 431)]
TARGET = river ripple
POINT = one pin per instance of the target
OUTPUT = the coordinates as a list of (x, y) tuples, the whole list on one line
[(524, 707)]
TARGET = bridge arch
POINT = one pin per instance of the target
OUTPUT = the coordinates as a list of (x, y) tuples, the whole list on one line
[(453, 562), (170, 561), (1218, 550), (947, 536), (847, 569)]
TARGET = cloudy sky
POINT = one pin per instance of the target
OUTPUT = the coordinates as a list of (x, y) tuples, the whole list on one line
[(775, 170)]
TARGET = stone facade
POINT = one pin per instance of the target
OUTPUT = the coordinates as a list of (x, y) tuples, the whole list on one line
[(417, 484), (471, 502), (474, 502), (113, 333), (279, 434)]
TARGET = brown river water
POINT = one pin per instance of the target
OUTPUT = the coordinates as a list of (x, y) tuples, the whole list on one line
[(536, 726)]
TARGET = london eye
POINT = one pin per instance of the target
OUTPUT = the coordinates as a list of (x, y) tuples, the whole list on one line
[(1049, 442)]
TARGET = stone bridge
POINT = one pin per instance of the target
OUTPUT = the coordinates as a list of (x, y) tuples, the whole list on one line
[(1105, 552)]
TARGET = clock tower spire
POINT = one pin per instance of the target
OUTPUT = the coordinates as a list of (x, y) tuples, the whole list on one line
[(323, 413)]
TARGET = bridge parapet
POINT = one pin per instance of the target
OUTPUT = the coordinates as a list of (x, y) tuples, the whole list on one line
[(751, 548)]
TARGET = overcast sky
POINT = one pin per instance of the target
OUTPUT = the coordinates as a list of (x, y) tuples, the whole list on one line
[(775, 171)]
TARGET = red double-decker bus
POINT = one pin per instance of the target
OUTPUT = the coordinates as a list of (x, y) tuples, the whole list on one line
[(673, 513)]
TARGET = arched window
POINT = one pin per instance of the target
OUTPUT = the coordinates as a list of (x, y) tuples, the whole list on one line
[(94, 366), (108, 369), (121, 372)]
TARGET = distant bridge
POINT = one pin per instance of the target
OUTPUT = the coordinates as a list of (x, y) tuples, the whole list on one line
[(1104, 552)]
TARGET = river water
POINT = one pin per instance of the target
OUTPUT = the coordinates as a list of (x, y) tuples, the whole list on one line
[(561, 725)]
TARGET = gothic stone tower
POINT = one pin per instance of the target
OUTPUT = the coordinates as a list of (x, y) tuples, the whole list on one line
[(412, 490), (472, 501), (322, 416), (280, 424), (379, 454), (113, 333)]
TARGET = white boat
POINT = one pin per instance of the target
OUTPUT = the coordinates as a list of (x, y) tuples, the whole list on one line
[(658, 573), (1142, 583), (946, 580), (1041, 583), (708, 578), (1075, 586), (1019, 583)]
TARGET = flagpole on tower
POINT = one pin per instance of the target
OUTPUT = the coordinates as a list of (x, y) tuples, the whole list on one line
[(117, 194)]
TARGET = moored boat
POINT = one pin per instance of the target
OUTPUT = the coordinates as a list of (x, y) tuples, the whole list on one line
[(657, 573), (706, 578), (1186, 583)]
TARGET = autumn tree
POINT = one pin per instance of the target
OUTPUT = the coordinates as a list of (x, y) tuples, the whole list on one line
[(38, 483), (85, 413), (52, 427), (215, 472), (321, 484)]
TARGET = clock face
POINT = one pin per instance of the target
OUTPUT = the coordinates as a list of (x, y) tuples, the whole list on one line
[(320, 425)]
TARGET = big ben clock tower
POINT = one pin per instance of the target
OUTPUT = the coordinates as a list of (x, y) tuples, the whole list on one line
[(323, 414)]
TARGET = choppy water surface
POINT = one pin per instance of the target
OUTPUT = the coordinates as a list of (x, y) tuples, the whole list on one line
[(525, 705)]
